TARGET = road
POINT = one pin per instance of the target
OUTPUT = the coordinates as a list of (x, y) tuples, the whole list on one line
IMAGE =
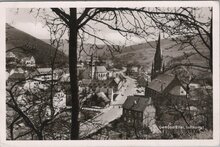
[(112, 112)]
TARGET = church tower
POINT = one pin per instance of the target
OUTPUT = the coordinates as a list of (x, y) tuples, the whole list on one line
[(157, 64)]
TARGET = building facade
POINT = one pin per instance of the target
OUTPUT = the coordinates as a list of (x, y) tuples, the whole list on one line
[(138, 111)]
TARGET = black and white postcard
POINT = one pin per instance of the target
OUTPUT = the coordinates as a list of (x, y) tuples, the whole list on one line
[(109, 73)]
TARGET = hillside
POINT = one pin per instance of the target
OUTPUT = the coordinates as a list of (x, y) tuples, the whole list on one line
[(24, 45), (88, 49), (144, 53)]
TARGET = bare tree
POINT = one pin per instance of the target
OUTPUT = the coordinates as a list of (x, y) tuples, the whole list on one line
[(128, 22)]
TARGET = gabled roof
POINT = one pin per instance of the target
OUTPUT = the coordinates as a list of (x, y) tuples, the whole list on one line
[(44, 70), (103, 96), (17, 70), (27, 58), (117, 80), (122, 77), (161, 82), (101, 69), (10, 55), (136, 103)]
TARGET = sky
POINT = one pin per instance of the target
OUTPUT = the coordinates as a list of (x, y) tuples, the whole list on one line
[(23, 20)]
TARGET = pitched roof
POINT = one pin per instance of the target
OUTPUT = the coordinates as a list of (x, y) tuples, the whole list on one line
[(44, 70), (136, 103), (117, 80), (27, 58), (17, 76), (101, 69), (10, 55), (103, 96), (161, 81), (121, 76), (86, 82), (98, 83)]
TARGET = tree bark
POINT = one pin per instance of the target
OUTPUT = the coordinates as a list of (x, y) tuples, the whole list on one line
[(73, 29)]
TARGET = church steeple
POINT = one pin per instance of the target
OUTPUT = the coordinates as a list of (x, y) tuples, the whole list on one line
[(158, 60)]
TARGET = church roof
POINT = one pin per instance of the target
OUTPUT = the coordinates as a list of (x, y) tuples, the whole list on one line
[(161, 82), (101, 69)]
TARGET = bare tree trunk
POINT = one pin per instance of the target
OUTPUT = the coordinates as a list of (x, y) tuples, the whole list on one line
[(73, 28), (40, 135)]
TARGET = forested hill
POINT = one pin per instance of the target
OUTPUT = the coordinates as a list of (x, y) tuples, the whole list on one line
[(24, 45)]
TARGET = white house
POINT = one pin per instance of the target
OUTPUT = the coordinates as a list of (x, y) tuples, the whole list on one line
[(59, 101), (11, 59), (17, 70), (28, 62), (101, 73), (45, 74), (10, 55)]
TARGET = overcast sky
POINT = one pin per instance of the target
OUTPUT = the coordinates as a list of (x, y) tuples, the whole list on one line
[(23, 20)]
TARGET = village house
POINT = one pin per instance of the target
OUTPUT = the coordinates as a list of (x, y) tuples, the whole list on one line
[(138, 111), (45, 74), (98, 99), (10, 55), (28, 62), (16, 70), (110, 86), (59, 100), (15, 77), (35, 86), (101, 73), (117, 83), (11, 60), (114, 72), (97, 86)]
